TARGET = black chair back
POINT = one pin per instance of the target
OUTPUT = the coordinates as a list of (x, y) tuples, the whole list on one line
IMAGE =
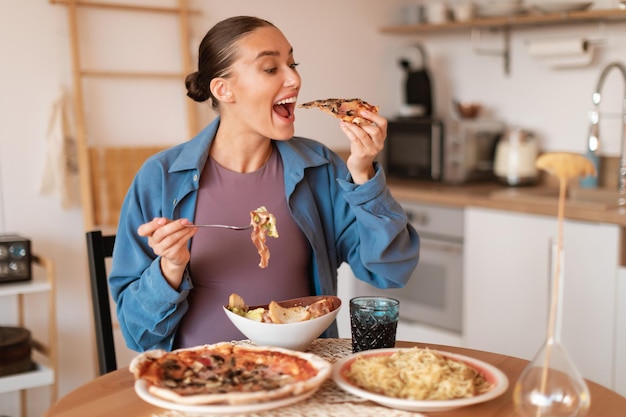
[(99, 248)]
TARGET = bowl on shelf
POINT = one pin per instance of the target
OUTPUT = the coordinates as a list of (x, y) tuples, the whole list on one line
[(499, 8), (559, 6), (467, 109), (296, 336)]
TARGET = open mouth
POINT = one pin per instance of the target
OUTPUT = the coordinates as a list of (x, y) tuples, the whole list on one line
[(284, 108)]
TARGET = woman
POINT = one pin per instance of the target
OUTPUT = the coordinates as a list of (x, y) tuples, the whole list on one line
[(170, 280)]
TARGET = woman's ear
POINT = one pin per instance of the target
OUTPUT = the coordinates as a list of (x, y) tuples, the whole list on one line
[(220, 90)]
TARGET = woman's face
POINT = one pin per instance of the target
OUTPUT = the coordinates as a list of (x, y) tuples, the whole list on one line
[(264, 84)]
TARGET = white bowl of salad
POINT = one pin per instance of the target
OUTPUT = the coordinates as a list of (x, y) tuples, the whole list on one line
[(290, 324)]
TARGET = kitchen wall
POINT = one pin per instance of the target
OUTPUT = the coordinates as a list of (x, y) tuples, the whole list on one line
[(341, 54), (554, 103)]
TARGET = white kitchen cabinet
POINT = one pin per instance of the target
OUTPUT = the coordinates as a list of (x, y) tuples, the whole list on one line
[(407, 330), (507, 287)]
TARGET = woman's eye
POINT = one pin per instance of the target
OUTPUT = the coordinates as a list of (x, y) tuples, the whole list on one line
[(274, 69)]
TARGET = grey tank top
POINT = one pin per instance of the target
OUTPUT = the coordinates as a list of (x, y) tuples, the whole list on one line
[(226, 261)]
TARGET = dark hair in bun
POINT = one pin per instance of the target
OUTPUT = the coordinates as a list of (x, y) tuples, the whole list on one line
[(216, 54), (195, 89)]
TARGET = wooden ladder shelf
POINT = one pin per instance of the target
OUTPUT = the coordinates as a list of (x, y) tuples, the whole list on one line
[(101, 197)]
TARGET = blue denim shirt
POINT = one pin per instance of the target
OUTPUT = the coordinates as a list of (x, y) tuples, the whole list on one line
[(359, 224)]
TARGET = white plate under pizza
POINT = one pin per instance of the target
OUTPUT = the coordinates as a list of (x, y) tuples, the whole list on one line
[(227, 377)]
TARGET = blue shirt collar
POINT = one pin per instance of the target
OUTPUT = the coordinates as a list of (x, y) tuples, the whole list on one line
[(194, 153)]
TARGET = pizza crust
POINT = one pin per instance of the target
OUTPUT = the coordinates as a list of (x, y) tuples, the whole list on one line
[(322, 367), (233, 398)]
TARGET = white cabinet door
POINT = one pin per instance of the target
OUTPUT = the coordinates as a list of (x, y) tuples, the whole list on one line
[(589, 302), (507, 287), (506, 281)]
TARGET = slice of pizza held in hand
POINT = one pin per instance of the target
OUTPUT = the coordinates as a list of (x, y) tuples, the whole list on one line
[(344, 109)]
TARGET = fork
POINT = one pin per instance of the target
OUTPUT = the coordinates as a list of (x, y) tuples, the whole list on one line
[(221, 226)]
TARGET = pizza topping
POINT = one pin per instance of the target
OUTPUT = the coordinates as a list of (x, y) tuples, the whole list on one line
[(277, 314), (263, 224), (344, 109), (220, 369)]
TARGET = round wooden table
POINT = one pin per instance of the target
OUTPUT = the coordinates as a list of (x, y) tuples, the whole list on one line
[(113, 395)]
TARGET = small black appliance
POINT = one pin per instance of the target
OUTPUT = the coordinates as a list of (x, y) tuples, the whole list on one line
[(414, 148), (418, 89), (15, 258)]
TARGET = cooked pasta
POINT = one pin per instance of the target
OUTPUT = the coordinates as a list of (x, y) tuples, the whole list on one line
[(417, 374)]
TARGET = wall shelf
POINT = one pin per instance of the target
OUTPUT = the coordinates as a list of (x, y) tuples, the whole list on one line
[(506, 24), (510, 22), (39, 377), (24, 288), (124, 7), (42, 375)]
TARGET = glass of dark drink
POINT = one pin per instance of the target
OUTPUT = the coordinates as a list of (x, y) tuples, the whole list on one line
[(373, 320)]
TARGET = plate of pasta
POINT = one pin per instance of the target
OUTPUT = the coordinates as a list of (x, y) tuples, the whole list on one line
[(419, 379)]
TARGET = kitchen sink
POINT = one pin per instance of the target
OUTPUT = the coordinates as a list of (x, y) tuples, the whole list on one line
[(584, 198)]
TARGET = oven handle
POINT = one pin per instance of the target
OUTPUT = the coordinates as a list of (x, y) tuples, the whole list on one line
[(412, 321), (403, 319), (449, 247)]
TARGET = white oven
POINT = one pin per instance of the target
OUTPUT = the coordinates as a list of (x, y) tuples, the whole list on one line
[(431, 304)]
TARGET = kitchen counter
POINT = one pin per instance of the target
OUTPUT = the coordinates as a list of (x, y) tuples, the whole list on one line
[(541, 200)]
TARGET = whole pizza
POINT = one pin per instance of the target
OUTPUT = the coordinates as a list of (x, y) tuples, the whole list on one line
[(226, 373)]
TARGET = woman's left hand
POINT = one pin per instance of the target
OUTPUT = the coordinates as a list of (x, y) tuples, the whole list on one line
[(366, 142)]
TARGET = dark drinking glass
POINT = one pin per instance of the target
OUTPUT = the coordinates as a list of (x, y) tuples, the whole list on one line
[(373, 321)]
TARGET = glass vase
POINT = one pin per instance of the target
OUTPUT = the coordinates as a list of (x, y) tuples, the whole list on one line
[(550, 385)]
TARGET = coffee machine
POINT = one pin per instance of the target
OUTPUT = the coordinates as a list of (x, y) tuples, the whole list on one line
[(418, 101)]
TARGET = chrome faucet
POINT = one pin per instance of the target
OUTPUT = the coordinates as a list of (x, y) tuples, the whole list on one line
[(595, 119)]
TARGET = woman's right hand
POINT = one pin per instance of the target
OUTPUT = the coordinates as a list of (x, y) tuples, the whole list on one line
[(169, 240)]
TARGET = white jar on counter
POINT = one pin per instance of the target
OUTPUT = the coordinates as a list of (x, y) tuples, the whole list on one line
[(515, 158)]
